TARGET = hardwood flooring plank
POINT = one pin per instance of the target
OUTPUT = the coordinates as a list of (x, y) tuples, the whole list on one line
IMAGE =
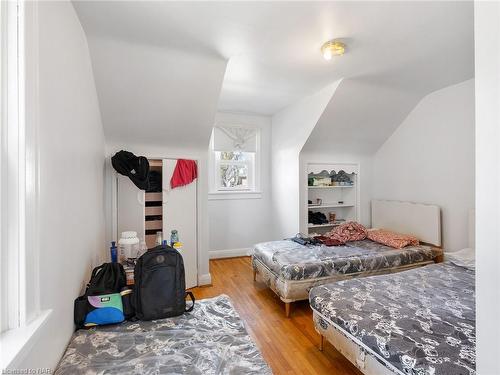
[(290, 346)]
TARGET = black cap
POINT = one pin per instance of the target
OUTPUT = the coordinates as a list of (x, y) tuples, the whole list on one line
[(134, 167)]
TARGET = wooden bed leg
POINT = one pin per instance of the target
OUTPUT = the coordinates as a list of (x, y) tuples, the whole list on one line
[(254, 274), (321, 342), (287, 309)]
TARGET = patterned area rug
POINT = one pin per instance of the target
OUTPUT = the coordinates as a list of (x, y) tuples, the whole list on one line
[(212, 339)]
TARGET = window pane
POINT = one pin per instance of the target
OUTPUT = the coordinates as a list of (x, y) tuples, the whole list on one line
[(234, 176), (235, 155)]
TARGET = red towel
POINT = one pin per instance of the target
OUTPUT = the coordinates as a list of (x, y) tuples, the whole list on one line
[(184, 173)]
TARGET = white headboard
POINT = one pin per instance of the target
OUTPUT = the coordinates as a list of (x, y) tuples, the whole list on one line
[(420, 220)]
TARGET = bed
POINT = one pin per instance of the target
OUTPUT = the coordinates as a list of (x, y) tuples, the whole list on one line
[(420, 321), (212, 339), (291, 269)]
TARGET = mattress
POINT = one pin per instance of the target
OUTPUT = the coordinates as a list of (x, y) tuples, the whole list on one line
[(292, 261), (420, 321), (212, 339)]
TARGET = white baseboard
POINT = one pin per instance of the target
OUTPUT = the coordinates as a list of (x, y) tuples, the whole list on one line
[(230, 253), (205, 279)]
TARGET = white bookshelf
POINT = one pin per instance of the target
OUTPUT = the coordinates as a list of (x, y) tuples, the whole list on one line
[(329, 225), (328, 205), (343, 200), (330, 187)]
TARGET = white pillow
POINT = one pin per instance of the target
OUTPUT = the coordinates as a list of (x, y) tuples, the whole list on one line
[(465, 257)]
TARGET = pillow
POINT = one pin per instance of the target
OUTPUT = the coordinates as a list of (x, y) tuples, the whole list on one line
[(464, 258), (350, 231), (392, 239)]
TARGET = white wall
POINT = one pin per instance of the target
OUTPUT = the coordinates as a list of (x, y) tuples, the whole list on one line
[(487, 56), (430, 159), (235, 225), (71, 162), (290, 129)]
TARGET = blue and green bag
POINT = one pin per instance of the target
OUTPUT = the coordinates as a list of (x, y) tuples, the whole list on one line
[(102, 302), (104, 309)]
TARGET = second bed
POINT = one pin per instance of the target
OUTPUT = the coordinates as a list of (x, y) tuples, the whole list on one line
[(421, 321), (291, 269)]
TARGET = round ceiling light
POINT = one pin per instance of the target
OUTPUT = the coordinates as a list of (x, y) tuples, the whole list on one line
[(332, 48)]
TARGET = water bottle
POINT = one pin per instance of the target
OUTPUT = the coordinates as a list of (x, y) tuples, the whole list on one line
[(143, 248), (114, 252), (159, 238), (174, 237)]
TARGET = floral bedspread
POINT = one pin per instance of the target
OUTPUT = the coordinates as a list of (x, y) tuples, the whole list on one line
[(293, 261), (210, 340), (421, 321)]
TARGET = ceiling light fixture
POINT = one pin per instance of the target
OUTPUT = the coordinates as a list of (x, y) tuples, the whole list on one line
[(332, 48)]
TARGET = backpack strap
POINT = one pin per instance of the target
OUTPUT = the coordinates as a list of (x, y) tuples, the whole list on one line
[(191, 295), (95, 271)]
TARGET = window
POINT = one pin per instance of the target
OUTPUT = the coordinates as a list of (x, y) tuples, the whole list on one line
[(234, 161), (18, 169), (12, 164), (21, 316), (235, 170)]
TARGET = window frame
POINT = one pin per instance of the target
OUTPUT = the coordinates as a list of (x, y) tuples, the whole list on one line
[(19, 166), (217, 192), (12, 202), (22, 319)]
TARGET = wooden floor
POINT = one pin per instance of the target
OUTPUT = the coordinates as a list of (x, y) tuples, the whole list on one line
[(290, 346)]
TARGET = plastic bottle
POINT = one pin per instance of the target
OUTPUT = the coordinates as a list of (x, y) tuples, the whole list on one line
[(114, 252), (159, 238), (142, 249), (128, 245), (174, 237)]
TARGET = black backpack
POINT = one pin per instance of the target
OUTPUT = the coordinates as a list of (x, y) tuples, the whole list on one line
[(107, 278), (160, 285)]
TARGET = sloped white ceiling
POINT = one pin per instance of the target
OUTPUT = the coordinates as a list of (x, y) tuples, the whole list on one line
[(359, 118), (159, 65), (153, 95), (273, 47)]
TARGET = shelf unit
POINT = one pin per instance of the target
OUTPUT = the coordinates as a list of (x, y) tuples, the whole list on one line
[(328, 205), (331, 187), (329, 225), (330, 196)]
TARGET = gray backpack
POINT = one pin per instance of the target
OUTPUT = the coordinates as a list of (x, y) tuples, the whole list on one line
[(160, 285)]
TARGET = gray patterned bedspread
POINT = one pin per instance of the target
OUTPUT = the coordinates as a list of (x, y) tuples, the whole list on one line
[(210, 340), (421, 321), (293, 261)]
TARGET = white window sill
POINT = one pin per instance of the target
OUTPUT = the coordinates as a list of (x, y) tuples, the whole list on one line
[(220, 195), (19, 341)]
